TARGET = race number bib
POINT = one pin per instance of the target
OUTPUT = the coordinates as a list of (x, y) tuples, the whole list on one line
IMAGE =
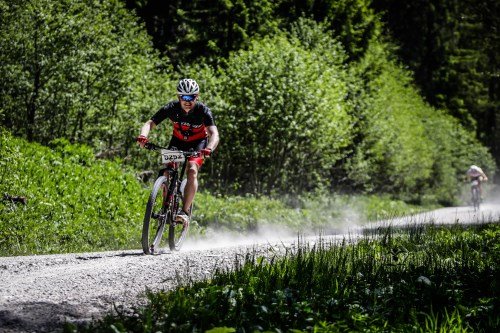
[(168, 156)]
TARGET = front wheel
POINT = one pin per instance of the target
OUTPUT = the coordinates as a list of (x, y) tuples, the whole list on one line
[(156, 216)]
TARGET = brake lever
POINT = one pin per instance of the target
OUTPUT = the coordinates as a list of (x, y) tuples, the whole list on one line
[(150, 146)]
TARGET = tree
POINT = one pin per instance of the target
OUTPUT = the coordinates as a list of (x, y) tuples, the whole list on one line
[(353, 22), (453, 48), (403, 145), (82, 70), (187, 31), (281, 112)]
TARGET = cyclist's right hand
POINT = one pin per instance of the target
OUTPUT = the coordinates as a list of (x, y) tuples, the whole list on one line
[(142, 140), (206, 152)]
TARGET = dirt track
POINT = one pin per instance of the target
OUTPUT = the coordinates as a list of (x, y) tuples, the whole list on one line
[(450, 215), (39, 293)]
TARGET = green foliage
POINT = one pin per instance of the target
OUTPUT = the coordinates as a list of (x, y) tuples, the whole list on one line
[(73, 202), (281, 114), (352, 22), (439, 279), (293, 118), (315, 107), (83, 70), (404, 146), (179, 29), (246, 214), (452, 47)]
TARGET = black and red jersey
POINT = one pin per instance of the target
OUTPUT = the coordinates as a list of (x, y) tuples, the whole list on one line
[(187, 126)]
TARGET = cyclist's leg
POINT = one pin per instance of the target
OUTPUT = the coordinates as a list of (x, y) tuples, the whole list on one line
[(191, 185), (194, 165)]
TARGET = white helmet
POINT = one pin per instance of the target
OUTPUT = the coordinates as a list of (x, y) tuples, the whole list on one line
[(475, 171), (188, 87), (475, 167)]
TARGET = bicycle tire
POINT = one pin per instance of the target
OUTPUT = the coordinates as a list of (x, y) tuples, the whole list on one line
[(156, 216), (475, 198), (177, 233)]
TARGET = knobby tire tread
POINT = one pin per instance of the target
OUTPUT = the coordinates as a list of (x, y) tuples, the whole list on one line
[(147, 224)]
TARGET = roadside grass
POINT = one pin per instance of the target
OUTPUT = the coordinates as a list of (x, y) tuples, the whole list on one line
[(76, 203), (419, 279), (73, 202)]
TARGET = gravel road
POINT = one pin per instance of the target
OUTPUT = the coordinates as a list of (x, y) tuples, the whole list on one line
[(39, 293)]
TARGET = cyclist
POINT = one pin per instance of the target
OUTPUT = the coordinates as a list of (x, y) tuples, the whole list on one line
[(193, 128), (476, 173)]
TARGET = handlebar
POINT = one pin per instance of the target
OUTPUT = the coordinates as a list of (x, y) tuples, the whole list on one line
[(152, 146)]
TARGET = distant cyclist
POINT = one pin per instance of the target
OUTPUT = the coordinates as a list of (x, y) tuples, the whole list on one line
[(193, 128), (476, 173)]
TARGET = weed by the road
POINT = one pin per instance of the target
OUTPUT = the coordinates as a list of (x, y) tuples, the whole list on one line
[(439, 279)]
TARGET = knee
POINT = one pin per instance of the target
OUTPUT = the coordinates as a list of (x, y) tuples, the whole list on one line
[(192, 173)]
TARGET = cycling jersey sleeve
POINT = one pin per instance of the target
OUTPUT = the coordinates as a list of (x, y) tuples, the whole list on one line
[(209, 117), (162, 113)]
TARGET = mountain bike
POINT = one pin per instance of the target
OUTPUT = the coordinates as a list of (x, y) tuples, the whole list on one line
[(476, 197), (163, 202)]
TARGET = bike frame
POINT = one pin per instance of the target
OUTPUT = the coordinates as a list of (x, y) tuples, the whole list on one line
[(174, 186), (475, 194), (174, 171), (172, 168)]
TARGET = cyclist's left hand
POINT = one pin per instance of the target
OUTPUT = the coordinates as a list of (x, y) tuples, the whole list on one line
[(206, 152), (142, 140)]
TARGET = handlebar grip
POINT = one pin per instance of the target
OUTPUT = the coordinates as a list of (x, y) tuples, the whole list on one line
[(150, 146)]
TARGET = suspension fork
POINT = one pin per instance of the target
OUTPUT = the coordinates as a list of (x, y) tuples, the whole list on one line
[(168, 192)]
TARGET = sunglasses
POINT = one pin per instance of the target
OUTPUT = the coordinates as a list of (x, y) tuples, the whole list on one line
[(188, 98)]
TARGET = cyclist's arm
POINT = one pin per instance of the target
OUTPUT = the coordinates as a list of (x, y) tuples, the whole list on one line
[(148, 126), (213, 137)]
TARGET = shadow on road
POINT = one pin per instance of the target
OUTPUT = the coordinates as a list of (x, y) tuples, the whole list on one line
[(41, 317)]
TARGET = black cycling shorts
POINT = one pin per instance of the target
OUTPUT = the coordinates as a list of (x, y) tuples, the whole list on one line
[(178, 144)]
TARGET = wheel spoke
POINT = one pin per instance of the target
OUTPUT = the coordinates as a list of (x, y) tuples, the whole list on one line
[(154, 218)]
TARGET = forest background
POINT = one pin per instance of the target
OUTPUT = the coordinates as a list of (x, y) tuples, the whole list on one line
[(347, 96), (332, 98)]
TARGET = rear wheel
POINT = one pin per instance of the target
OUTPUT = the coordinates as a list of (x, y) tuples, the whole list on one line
[(177, 232), (157, 215), (475, 198)]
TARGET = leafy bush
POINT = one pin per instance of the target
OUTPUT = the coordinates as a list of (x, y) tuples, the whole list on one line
[(404, 146), (294, 118), (281, 113), (74, 203), (83, 70)]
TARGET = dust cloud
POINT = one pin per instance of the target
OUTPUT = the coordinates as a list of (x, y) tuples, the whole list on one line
[(343, 223), (346, 220), (220, 239)]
